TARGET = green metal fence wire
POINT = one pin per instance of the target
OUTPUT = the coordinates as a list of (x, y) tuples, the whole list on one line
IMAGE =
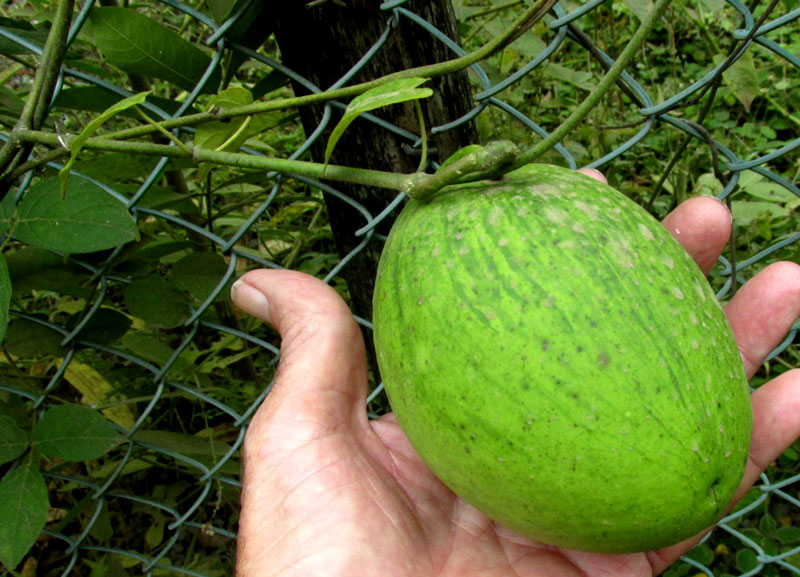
[(194, 517)]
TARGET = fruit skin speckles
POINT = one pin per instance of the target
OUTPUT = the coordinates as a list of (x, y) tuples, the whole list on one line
[(604, 383)]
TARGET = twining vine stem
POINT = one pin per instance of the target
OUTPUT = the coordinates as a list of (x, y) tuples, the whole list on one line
[(37, 104), (491, 160)]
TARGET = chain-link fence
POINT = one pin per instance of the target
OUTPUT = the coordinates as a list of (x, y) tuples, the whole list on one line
[(142, 331)]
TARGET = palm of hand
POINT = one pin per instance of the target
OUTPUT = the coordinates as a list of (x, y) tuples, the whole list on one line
[(327, 492), (358, 501)]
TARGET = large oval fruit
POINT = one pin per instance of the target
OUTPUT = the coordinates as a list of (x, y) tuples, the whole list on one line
[(559, 361)]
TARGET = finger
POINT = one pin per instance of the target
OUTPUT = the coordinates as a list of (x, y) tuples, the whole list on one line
[(776, 425), (702, 225), (322, 375), (762, 312)]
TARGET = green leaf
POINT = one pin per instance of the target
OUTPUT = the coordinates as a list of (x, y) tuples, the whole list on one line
[(28, 339), (5, 296), (741, 78), (746, 560), (232, 134), (32, 268), (702, 554), (105, 326), (13, 440), (137, 44), (157, 301), (199, 273), (23, 508), (75, 433), (708, 185), (578, 78), (220, 135), (231, 97), (639, 8), (715, 6), (162, 248), (87, 220), (160, 198), (150, 348), (272, 81), (189, 445), (97, 99), (746, 212), (788, 535), (756, 185), (24, 29), (767, 525), (95, 390), (117, 168), (155, 532), (77, 144), (393, 92), (220, 9)]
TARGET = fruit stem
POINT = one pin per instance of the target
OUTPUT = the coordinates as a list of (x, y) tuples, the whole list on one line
[(487, 162)]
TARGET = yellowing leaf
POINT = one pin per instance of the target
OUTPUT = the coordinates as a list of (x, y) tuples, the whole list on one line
[(96, 390)]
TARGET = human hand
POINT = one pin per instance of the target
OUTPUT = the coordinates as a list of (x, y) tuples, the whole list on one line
[(328, 492)]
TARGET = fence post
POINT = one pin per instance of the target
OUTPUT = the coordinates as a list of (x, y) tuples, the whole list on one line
[(322, 43)]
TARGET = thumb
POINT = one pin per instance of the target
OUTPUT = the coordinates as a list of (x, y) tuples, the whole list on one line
[(322, 375)]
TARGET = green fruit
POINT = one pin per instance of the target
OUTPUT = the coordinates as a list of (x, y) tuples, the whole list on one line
[(561, 363)]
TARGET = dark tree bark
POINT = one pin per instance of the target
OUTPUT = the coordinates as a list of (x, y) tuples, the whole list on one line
[(322, 43)]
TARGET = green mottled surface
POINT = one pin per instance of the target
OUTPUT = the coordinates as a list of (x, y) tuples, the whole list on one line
[(560, 362)]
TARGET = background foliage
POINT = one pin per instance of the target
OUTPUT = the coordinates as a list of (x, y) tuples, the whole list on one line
[(126, 379)]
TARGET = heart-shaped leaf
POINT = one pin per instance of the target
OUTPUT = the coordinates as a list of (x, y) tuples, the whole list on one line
[(23, 508), (75, 433), (88, 219)]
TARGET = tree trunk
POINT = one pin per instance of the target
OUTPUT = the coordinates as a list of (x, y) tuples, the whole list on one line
[(322, 43)]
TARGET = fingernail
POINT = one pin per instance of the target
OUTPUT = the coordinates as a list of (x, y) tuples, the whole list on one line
[(249, 299)]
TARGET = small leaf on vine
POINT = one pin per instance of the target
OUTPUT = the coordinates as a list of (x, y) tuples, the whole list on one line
[(392, 92), (79, 141)]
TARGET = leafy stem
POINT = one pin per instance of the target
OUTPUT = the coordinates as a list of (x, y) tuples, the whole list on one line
[(523, 23)]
